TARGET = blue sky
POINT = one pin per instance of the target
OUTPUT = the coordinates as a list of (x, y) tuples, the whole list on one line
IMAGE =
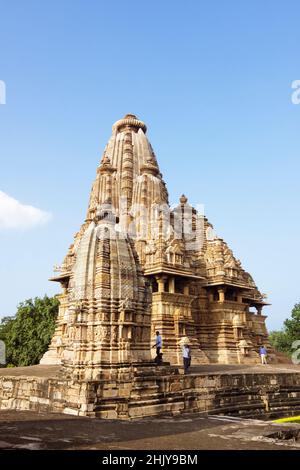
[(212, 80)]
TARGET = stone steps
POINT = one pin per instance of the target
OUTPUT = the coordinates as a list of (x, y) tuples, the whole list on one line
[(251, 403)]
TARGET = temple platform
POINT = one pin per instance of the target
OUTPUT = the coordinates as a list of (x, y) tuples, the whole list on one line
[(52, 371), (236, 390)]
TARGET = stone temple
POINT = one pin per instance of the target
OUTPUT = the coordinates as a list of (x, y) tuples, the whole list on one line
[(138, 265)]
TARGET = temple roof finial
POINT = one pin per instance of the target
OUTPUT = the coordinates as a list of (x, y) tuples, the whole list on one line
[(129, 122), (183, 199)]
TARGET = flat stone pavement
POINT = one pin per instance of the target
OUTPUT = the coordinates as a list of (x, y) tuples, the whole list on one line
[(31, 371), (51, 431), (206, 369)]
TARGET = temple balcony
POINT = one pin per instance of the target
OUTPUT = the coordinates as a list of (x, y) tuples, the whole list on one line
[(169, 269)]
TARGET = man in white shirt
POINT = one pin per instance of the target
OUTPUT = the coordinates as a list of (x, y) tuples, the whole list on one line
[(158, 343), (186, 354)]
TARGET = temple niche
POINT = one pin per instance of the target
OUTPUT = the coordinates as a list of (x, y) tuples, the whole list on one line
[(138, 265)]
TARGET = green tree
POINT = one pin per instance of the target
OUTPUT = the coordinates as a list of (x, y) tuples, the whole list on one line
[(28, 334), (292, 326), (283, 340), (279, 341)]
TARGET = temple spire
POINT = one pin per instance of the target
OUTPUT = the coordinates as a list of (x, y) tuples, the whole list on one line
[(128, 173)]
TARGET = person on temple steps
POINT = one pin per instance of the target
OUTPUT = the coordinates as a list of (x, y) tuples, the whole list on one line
[(263, 354), (186, 354), (158, 345)]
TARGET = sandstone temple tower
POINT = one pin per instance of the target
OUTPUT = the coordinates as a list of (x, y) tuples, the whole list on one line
[(138, 265)]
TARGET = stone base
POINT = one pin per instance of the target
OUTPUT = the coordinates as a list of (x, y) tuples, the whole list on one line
[(50, 358), (232, 356), (151, 391), (175, 357)]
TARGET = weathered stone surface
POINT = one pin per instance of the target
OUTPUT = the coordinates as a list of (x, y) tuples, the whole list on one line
[(31, 430), (249, 392)]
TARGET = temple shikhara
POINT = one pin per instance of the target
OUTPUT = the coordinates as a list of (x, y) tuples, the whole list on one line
[(138, 265)]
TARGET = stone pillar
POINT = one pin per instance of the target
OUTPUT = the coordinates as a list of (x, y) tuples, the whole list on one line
[(172, 285), (186, 289), (211, 296), (259, 309), (221, 295), (240, 298), (161, 283)]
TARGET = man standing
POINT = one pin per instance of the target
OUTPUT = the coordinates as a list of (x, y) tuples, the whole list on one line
[(263, 354), (186, 354), (158, 344)]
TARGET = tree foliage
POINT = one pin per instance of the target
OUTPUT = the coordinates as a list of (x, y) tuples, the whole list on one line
[(28, 334), (283, 340)]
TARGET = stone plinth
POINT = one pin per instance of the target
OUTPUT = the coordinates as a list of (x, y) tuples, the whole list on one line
[(154, 391)]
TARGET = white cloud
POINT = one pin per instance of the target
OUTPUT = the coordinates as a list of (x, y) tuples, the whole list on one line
[(15, 215)]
